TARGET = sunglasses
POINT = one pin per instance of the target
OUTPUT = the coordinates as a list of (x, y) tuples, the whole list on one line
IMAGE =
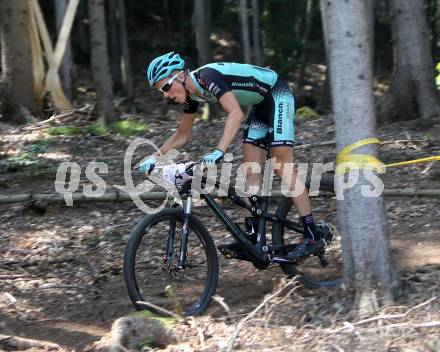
[(167, 85)]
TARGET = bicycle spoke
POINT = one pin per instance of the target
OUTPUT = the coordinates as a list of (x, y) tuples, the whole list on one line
[(160, 280)]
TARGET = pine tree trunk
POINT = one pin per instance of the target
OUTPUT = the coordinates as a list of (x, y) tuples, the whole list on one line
[(16, 86), (437, 27), (245, 32), (370, 21), (100, 62), (67, 63), (83, 43), (256, 32), (114, 45), (307, 22), (182, 24), (412, 91), (366, 252), (127, 78), (324, 100), (203, 33), (432, 13)]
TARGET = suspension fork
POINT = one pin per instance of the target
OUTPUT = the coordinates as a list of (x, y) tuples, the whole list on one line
[(185, 232), (170, 242)]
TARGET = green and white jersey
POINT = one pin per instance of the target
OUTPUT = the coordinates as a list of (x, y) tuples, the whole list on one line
[(249, 83)]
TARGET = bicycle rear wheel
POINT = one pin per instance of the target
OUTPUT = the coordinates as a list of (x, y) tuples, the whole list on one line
[(153, 278), (310, 272)]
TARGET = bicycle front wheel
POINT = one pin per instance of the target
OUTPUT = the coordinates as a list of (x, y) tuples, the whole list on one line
[(153, 277)]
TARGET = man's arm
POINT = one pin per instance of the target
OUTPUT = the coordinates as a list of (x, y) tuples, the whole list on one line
[(230, 104), (181, 136)]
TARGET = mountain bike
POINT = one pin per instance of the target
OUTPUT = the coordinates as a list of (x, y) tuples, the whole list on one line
[(171, 263)]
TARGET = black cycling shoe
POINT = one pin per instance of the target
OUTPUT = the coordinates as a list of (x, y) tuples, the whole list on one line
[(305, 249), (232, 251)]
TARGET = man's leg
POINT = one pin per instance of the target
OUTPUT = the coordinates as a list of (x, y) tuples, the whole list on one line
[(283, 155), (252, 153)]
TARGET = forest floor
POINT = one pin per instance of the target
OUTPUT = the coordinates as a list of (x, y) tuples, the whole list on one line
[(61, 267)]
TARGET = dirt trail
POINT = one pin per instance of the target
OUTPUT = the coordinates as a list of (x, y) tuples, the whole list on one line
[(60, 267)]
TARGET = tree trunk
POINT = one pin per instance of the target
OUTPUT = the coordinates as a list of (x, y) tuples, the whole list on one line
[(324, 101), (437, 27), (67, 63), (127, 78), (256, 32), (182, 25), (307, 22), (370, 22), (432, 18), (166, 10), (366, 252), (203, 33), (80, 28), (245, 32), (412, 91), (100, 64), (114, 45), (308, 17), (16, 86)]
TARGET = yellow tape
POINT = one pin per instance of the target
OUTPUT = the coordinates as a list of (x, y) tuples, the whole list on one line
[(415, 161), (345, 160)]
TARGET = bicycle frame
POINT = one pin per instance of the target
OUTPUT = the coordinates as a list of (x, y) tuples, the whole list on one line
[(260, 253)]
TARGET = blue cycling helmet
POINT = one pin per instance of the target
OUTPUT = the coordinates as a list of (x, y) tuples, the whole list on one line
[(162, 66)]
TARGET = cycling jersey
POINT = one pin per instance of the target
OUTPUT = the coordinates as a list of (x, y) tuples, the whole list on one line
[(248, 83), (270, 121)]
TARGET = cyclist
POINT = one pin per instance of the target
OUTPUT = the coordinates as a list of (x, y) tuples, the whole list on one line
[(269, 127)]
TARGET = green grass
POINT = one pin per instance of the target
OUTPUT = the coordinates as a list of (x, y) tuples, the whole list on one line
[(67, 130), (125, 128), (129, 127), (29, 165), (306, 112), (97, 129)]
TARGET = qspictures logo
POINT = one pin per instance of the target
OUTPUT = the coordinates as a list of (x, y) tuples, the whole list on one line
[(68, 179)]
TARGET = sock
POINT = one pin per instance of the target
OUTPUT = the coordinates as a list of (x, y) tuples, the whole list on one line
[(310, 232)]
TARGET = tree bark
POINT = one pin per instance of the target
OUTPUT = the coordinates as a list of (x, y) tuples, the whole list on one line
[(432, 18), (366, 252), (182, 24), (245, 32), (307, 22), (67, 63), (127, 78), (324, 101), (100, 62), (370, 21), (80, 31), (412, 91), (203, 31), (16, 86), (114, 45), (437, 27), (256, 32)]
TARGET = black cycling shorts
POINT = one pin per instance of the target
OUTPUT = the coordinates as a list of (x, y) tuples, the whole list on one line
[(271, 122)]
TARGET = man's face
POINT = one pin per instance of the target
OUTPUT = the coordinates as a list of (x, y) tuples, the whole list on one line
[(172, 89)]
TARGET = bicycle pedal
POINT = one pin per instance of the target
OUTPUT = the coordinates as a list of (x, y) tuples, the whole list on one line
[(324, 262), (328, 231)]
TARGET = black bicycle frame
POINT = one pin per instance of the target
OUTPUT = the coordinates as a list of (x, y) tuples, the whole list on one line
[(260, 253)]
